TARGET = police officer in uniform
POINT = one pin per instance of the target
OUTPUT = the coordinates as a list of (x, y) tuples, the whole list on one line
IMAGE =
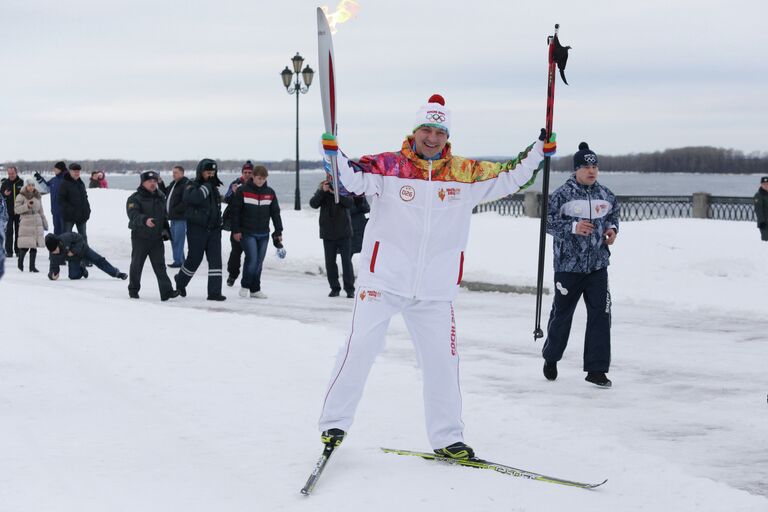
[(203, 214), (148, 221)]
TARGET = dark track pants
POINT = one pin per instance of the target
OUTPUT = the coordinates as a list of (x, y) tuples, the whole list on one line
[(75, 268), (344, 248), (12, 235), (140, 249), (201, 241), (233, 263), (569, 287)]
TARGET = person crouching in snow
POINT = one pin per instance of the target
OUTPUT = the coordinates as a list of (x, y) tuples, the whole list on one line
[(412, 262), (72, 248), (583, 219)]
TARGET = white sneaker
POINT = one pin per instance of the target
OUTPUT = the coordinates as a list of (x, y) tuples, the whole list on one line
[(258, 295), (244, 292)]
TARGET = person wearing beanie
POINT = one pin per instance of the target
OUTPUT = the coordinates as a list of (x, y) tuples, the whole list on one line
[(202, 201), (761, 208), (73, 249), (412, 262), (51, 187), (583, 219), (10, 188), (73, 201), (32, 223), (176, 213), (236, 253), (253, 205), (148, 222)]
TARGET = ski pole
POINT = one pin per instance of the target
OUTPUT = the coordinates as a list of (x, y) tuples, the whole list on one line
[(557, 55)]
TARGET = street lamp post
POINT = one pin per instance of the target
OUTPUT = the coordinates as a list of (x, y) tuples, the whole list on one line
[(296, 88)]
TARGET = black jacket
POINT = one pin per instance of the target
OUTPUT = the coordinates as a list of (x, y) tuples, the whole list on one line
[(174, 194), (203, 204), (335, 220), (68, 242), (142, 205), (15, 187), (359, 208), (73, 200), (251, 209)]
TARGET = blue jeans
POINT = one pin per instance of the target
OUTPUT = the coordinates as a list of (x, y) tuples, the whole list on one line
[(75, 269), (178, 235), (255, 248)]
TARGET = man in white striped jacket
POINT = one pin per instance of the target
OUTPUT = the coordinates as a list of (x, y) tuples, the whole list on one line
[(411, 263)]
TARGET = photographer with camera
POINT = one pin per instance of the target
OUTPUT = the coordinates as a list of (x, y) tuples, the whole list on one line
[(336, 232)]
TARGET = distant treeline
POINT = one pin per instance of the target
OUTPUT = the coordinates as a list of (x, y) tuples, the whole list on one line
[(702, 159)]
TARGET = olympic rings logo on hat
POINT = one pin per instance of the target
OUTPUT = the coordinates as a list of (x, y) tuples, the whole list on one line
[(435, 117), (590, 159)]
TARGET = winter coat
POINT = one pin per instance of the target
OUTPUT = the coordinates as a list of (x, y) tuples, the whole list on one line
[(419, 223), (143, 205), (73, 200), (335, 219), (251, 209), (3, 222), (761, 212), (359, 208), (174, 193), (228, 195), (203, 203), (33, 224), (571, 203), (51, 186), (15, 187), (68, 243), (761, 206)]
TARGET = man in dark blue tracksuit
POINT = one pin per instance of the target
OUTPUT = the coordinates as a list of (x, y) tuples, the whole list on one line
[(203, 213), (583, 219)]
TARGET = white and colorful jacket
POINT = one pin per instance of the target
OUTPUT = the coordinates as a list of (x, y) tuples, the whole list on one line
[(420, 213)]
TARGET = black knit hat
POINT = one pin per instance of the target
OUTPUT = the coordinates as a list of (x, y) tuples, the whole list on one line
[(60, 166), (584, 156), (149, 175), (764, 179), (75, 167), (51, 242)]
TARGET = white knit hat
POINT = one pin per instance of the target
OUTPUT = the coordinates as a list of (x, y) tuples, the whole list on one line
[(29, 180), (434, 114)]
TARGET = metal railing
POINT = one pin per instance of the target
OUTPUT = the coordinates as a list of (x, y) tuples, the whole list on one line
[(702, 206), (731, 208), (510, 205)]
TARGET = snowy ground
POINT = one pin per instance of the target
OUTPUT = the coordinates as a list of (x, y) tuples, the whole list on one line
[(112, 404)]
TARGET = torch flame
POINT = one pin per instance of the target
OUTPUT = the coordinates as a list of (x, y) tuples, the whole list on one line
[(344, 12)]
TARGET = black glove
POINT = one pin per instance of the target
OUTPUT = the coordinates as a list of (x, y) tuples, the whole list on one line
[(543, 134), (276, 240), (37, 176), (761, 225), (166, 235)]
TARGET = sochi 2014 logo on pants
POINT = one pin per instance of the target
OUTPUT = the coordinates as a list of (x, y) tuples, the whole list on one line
[(407, 193)]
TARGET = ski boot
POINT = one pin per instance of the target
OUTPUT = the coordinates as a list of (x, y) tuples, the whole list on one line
[(333, 437), (456, 451)]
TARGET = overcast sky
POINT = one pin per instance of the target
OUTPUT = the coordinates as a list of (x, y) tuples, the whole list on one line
[(165, 80)]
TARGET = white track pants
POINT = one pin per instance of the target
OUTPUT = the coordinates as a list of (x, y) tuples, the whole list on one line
[(433, 331)]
